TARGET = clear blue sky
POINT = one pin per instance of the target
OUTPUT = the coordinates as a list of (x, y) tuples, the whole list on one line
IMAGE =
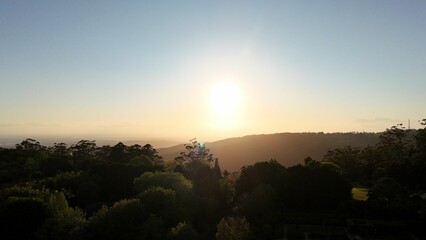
[(144, 69)]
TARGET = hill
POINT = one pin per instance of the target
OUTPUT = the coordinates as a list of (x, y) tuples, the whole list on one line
[(287, 148)]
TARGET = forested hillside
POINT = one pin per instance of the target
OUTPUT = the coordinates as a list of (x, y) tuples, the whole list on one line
[(287, 148)]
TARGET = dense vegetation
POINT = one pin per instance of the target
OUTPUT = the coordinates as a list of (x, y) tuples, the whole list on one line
[(85, 191)]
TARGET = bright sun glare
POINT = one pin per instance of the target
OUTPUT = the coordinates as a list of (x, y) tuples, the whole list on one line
[(225, 99)]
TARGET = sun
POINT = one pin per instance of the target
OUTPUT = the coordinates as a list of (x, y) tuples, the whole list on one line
[(225, 99)]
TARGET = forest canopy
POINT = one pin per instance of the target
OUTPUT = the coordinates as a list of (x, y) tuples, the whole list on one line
[(85, 191)]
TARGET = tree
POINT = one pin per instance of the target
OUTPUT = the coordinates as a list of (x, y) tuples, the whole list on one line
[(151, 184), (175, 181), (388, 199), (420, 137), (387, 190), (419, 158), (31, 154), (270, 172), (118, 153), (183, 231), (348, 159), (81, 190), (394, 145), (142, 161), (30, 145), (261, 206), (63, 222), (216, 169), (315, 188), (60, 150), (34, 214), (196, 158), (122, 221), (151, 153), (199, 165), (84, 150), (58, 161), (162, 202), (235, 228)]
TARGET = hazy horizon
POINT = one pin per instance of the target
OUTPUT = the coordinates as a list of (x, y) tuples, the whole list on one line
[(11, 141), (209, 70)]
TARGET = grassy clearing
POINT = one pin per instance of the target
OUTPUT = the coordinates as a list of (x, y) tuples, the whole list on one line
[(360, 193)]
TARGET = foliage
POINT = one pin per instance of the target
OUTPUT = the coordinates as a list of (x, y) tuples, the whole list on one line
[(183, 231), (315, 188), (196, 152), (271, 173), (420, 137), (142, 161), (162, 203), (346, 159), (122, 221), (387, 190), (25, 191), (195, 159), (233, 228), (174, 181), (63, 222), (394, 144), (39, 215), (260, 206), (79, 188)]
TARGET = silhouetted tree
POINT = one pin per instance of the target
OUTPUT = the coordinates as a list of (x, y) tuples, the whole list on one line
[(196, 158), (348, 159), (394, 145), (118, 153), (150, 152), (30, 145), (271, 173), (315, 188), (421, 137), (83, 153)]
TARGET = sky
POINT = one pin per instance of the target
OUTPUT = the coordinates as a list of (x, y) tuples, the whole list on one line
[(151, 69)]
